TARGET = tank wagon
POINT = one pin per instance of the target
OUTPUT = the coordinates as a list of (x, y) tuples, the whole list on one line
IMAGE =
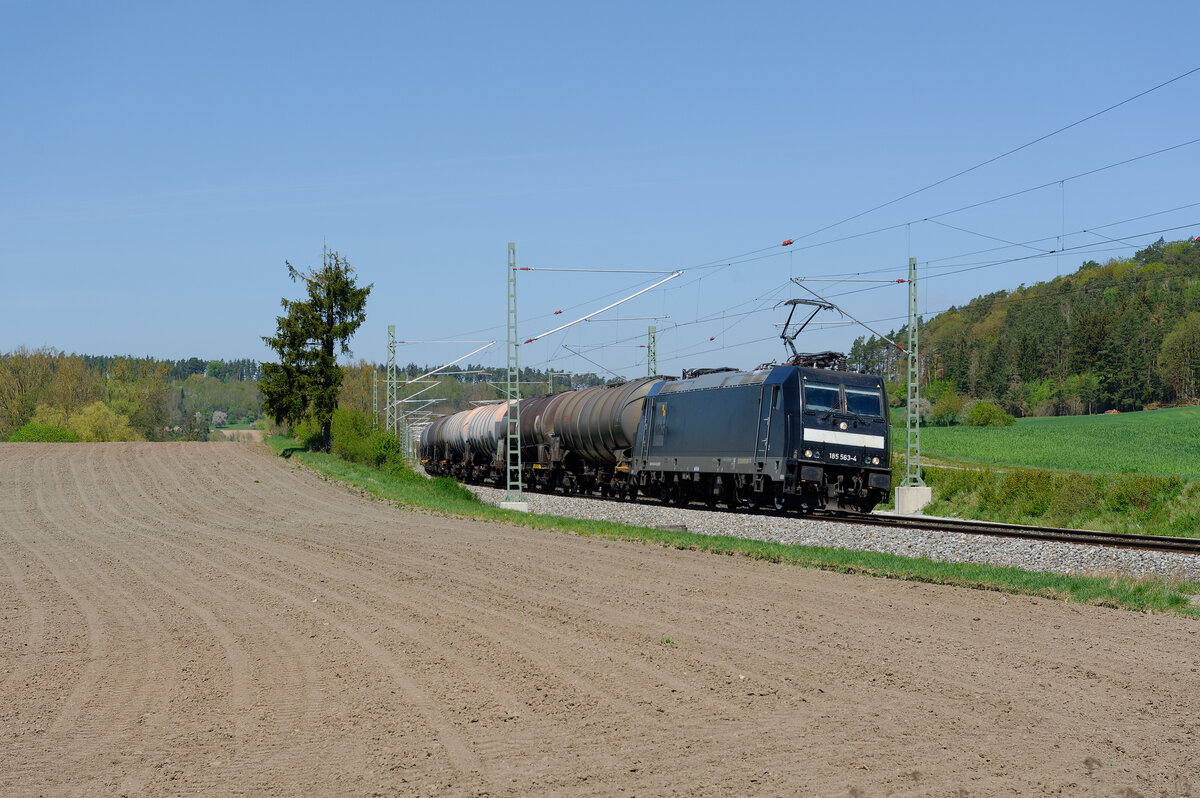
[(782, 436)]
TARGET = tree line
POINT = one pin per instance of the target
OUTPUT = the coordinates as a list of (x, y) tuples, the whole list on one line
[(1123, 335), (103, 397)]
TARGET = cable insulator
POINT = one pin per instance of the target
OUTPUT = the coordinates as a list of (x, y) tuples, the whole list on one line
[(787, 243)]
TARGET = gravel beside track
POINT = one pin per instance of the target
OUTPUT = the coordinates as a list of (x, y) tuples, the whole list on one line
[(1032, 555)]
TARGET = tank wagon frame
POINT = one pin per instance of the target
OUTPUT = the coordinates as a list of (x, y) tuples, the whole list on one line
[(782, 437)]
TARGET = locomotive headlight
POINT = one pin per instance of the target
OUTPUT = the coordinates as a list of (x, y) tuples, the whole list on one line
[(842, 425), (874, 461), (808, 453)]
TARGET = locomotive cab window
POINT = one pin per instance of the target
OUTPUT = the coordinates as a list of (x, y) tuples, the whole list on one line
[(864, 401), (821, 397)]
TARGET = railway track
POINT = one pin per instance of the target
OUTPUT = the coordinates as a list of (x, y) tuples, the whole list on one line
[(1088, 537)]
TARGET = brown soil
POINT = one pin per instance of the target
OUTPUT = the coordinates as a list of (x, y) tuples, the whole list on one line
[(183, 619), (254, 435)]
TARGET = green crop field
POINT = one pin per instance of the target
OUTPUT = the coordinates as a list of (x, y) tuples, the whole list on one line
[(1158, 442)]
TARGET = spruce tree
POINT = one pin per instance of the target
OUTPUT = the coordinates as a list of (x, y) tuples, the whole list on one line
[(304, 383)]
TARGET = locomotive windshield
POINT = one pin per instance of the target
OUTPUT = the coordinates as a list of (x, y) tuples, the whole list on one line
[(829, 397), (864, 401), (822, 398)]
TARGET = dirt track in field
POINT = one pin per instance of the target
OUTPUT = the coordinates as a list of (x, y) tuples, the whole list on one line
[(184, 619)]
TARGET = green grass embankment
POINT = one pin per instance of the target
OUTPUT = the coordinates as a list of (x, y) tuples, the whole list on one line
[(1129, 472), (406, 488), (1156, 442)]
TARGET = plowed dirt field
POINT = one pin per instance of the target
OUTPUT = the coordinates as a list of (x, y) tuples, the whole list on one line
[(206, 619)]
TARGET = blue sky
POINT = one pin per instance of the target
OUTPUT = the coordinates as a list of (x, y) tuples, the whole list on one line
[(162, 161)]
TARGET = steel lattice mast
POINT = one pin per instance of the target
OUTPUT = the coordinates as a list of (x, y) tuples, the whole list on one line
[(912, 471), (652, 351), (512, 445), (392, 407)]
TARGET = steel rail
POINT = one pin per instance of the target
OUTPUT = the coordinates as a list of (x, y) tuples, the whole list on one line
[(1090, 537), (1084, 537)]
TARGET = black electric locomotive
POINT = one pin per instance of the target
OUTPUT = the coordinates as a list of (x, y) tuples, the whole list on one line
[(813, 439), (780, 436)]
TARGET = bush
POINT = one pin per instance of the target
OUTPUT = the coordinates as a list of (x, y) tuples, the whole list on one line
[(50, 416), (385, 449), (963, 481), (1078, 497), (308, 432), (1030, 493), (99, 422), (947, 409), (989, 493), (986, 414), (1140, 491), (356, 441), (43, 433), (351, 432)]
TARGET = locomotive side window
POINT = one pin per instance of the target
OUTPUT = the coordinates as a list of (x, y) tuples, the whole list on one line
[(822, 398), (658, 425), (864, 401)]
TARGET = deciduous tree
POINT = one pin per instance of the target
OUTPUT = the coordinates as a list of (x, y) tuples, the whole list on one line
[(1179, 358)]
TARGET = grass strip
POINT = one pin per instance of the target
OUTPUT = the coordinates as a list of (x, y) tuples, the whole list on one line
[(445, 496)]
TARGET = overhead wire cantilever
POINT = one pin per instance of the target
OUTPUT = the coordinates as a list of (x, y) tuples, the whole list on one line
[(671, 276)]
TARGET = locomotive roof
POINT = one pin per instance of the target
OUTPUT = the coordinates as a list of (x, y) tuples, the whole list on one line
[(776, 374), (846, 377)]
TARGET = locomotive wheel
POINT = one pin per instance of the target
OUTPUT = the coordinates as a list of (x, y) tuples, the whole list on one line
[(779, 503)]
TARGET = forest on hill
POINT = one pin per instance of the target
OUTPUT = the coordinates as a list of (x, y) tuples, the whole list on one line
[(1123, 335)]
